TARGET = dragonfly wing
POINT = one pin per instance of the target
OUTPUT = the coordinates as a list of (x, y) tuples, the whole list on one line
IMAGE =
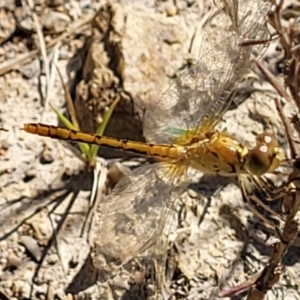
[(243, 20), (131, 219), (198, 98)]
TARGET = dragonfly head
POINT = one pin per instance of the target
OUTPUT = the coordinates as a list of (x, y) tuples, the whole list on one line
[(266, 156)]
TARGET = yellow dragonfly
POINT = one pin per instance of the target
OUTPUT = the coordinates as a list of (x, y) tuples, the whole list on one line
[(181, 133)]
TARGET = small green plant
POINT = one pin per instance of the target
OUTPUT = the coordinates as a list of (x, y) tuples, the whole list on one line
[(89, 151)]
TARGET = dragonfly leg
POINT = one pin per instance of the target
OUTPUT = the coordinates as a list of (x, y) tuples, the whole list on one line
[(270, 193), (254, 198)]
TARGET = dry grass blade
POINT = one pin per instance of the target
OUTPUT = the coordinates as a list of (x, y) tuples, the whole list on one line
[(23, 58), (42, 43), (99, 179), (70, 105)]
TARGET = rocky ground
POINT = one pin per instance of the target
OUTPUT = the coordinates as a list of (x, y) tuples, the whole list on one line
[(45, 189)]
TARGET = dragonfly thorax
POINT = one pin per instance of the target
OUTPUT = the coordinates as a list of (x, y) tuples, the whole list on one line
[(219, 154)]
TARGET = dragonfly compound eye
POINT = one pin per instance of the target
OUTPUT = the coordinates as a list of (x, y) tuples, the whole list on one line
[(268, 139), (259, 159), (266, 156)]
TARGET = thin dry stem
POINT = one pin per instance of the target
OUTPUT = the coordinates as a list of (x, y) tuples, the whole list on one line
[(288, 88), (23, 58), (42, 45), (69, 101), (289, 40)]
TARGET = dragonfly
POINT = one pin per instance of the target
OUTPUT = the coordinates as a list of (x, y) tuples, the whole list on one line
[(181, 134)]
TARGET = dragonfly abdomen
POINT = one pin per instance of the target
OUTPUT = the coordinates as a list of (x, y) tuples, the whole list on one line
[(165, 151)]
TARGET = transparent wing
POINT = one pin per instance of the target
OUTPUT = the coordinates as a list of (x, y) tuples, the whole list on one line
[(197, 99), (131, 219)]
